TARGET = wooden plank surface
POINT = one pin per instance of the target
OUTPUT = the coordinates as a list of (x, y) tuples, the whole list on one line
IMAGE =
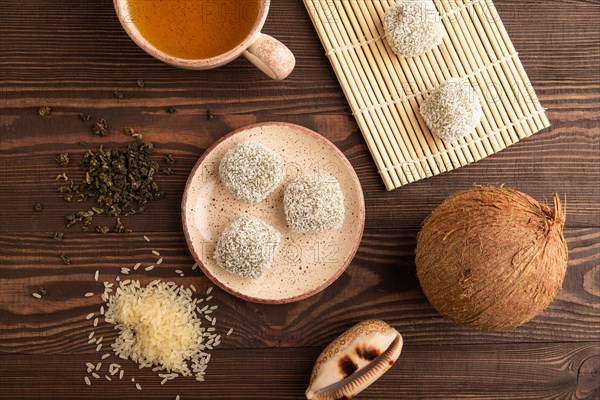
[(72, 55), (550, 371), (380, 283)]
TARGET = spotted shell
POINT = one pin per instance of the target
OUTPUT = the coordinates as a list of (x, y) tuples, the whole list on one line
[(354, 360)]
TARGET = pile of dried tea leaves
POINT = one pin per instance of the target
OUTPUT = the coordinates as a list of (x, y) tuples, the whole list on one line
[(120, 180)]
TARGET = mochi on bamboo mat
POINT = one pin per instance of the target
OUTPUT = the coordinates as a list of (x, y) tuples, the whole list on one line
[(385, 91)]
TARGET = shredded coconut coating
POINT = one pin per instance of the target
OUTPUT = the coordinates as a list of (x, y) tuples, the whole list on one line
[(314, 203), (452, 110), (247, 246), (413, 27), (251, 171)]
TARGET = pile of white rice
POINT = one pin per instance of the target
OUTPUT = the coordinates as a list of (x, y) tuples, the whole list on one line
[(159, 326)]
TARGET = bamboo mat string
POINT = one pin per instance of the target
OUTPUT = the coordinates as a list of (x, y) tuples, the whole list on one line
[(374, 142), (366, 60), (459, 56), (429, 90), (505, 113), (410, 122), (499, 78), (368, 88), (516, 71), (385, 91), (382, 36), (491, 119), (510, 125)]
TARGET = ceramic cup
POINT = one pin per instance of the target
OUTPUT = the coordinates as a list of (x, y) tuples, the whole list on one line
[(265, 52)]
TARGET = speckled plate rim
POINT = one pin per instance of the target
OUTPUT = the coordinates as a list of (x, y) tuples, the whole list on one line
[(333, 277)]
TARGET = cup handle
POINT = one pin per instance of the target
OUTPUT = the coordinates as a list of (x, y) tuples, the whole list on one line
[(271, 57)]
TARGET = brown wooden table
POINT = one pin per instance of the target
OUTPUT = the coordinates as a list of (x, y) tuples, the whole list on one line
[(72, 55)]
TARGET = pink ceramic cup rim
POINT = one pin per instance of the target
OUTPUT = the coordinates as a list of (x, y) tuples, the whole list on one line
[(201, 63)]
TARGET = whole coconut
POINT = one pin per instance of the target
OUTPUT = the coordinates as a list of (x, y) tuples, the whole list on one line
[(492, 258)]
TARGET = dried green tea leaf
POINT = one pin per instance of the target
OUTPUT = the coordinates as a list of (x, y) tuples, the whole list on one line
[(100, 128), (62, 176), (62, 159), (169, 159), (102, 229), (121, 181), (131, 132), (44, 111)]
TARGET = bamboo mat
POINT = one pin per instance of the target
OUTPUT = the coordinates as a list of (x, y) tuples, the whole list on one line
[(385, 91)]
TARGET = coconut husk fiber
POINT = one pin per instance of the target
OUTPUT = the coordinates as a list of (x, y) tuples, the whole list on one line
[(492, 258)]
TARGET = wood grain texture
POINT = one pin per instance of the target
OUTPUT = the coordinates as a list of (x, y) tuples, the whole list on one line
[(534, 371), (560, 160), (381, 282), (72, 55)]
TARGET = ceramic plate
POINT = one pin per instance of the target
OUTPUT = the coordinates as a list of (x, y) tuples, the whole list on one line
[(304, 263)]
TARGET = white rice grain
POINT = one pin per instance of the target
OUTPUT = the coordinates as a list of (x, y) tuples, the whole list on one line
[(159, 261), (194, 266), (146, 238), (87, 380), (121, 373), (105, 356), (89, 294), (230, 331), (95, 375), (96, 275), (138, 387), (150, 268), (99, 347), (89, 316), (136, 266), (96, 321), (156, 253), (107, 378)]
